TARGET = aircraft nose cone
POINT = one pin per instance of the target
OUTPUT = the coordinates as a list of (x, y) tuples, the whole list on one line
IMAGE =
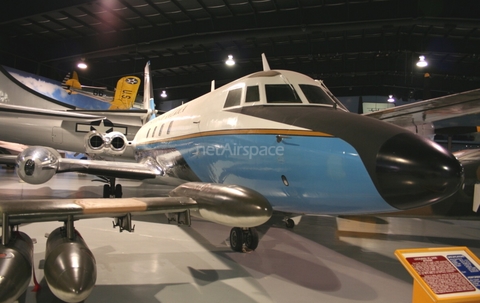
[(413, 171)]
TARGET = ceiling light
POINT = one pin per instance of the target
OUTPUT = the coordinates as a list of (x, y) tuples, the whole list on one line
[(422, 62), (163, 94), (390, 98), (81, 64), (230, 61)]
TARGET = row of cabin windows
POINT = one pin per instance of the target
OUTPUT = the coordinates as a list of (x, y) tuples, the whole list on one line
[(279, 93), (160, 130)]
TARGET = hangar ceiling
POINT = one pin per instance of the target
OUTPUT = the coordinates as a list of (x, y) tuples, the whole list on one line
[(358, 47)]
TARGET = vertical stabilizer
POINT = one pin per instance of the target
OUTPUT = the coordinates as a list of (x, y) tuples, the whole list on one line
[(148, 100), (125, 93), (71, 82), (266, 67)]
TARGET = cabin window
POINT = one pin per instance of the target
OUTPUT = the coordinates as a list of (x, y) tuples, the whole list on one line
[(154, 130), (253, 94), (233, 98), (316, 94), (160, 131), (281, 93), (169, 127), (148, 132)]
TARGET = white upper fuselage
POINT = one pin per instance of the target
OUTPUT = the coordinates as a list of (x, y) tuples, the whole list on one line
[(212, 112)]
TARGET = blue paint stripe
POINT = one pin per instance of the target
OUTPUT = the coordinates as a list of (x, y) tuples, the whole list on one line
[(325, 175)]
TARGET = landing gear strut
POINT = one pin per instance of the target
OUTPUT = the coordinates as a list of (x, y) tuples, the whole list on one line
[(112, 190), (243, 239)]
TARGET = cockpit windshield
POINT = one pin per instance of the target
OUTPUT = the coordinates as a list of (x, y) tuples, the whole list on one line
[(316, 95), (281, 93)]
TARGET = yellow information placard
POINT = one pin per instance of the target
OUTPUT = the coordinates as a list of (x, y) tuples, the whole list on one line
[(444, 274)]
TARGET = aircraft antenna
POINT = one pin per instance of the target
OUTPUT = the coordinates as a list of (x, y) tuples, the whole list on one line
[(266, 67)]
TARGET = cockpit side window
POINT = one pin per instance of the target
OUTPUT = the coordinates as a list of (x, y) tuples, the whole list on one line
[(253, 94), (315, 94), (281, 93), (233, 98)]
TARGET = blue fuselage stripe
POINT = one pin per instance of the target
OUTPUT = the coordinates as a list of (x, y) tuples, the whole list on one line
[(300, 173)]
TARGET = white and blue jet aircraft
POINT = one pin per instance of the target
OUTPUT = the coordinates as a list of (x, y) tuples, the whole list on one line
[(272, 140)]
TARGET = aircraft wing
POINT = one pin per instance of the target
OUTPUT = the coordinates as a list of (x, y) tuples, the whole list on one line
[(8, 159), (432, 110), (67, 129), (30, 112), (42, 210), (128, 170)]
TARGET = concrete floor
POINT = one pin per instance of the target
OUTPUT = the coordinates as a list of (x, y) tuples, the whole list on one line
[(323, 259)]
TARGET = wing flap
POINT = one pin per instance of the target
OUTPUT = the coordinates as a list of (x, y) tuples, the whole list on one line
[(42, 210)]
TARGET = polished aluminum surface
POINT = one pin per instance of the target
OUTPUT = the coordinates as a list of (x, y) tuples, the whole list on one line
[(37, 165), (112, 144), (15, 267), (70, 267), (230, 205)]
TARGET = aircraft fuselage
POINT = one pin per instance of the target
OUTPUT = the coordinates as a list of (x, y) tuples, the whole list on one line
[(284, 135)]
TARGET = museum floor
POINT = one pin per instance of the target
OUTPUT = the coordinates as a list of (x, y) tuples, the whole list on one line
[(323, 259)]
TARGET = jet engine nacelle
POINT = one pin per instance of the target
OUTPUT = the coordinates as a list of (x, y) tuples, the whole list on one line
[(112, 144), (37, 164), (15, 267), (229, 205), (70, 268)]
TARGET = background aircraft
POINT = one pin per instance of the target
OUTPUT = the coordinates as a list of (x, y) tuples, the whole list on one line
[(123, 97), (43, 120)]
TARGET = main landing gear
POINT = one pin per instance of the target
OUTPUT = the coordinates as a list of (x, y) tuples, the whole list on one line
[(243, 239), (112, 190)]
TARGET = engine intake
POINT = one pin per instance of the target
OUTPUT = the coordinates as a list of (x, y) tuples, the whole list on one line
[(37, 164), (113, 143)]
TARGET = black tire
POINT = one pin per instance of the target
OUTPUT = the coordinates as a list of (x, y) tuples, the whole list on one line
[(289, 223), (106, 191), (251, 239), (118, 191), (236, 239)]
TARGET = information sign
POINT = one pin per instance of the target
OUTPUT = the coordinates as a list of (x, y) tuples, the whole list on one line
[(450, 274)]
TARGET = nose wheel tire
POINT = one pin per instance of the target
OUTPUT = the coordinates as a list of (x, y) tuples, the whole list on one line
[(243, 239), (289, 223)]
